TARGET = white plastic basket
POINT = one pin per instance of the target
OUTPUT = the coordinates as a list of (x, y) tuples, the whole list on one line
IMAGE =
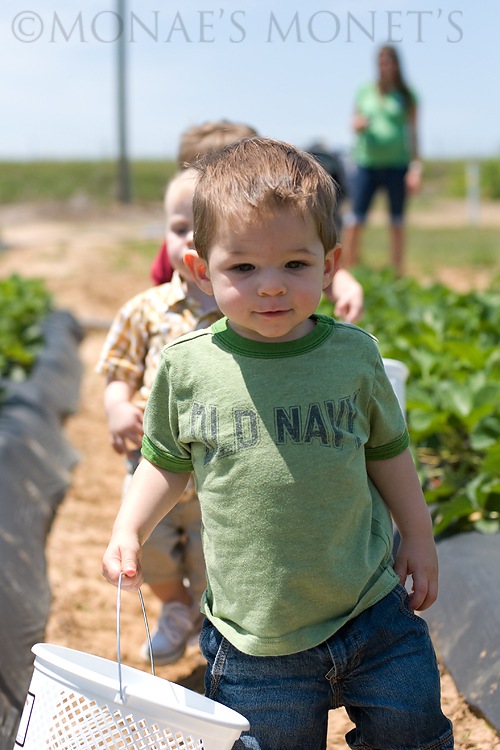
[(77, 701), (397, 372)]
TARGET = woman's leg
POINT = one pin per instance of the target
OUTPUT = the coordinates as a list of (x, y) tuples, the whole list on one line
[(363, 189), (351, 243), (397, 241), (396, 189)]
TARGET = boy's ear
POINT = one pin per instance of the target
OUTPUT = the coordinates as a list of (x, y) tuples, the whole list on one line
[(198, 269), (332, 264)]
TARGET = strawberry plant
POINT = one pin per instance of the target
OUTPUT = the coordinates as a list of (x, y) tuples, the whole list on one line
[(24, 303), (449, 342)]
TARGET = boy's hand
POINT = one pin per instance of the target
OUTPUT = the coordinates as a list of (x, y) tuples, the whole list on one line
[(397, 481), (418, 558), (123, 556), (125, 422), (346, 293), (349, 304), (152, 493)]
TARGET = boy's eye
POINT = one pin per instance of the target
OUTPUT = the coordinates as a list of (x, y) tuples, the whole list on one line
[(180, 229), (295, 264), (243, 267)]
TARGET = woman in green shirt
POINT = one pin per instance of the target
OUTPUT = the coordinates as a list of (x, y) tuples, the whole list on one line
[(385, 154)]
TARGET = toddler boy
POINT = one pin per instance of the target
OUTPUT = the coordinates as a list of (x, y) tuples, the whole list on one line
[(300, 455)]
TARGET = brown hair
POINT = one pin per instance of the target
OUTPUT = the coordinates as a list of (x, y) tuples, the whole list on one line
[(399, 81), (254, 178), (209, 136)]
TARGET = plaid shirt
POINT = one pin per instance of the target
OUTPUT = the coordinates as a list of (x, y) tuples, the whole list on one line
[(141, 329)]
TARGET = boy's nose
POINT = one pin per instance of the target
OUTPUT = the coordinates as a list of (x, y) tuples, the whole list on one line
[(271, 284)]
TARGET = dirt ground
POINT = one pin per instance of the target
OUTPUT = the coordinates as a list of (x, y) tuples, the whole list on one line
[(89, 269)]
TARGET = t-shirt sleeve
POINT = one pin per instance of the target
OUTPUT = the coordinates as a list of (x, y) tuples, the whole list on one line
[(388, 431), (161, 444)]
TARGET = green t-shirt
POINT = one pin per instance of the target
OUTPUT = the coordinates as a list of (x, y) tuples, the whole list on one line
[(386, 140), (296, 538)]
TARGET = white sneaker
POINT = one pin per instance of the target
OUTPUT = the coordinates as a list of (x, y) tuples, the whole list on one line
[(173, 631)]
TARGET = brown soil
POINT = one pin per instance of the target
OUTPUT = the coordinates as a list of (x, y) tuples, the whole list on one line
[(92, 272)]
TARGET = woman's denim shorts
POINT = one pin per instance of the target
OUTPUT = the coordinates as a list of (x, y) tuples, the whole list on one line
[(368, 181)]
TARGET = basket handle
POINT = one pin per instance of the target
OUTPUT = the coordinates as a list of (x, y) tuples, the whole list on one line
[(118, 649)]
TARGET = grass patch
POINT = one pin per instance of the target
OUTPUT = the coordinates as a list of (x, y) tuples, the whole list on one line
[(132, 253), (25, 182), (430, 249), (22, 182)]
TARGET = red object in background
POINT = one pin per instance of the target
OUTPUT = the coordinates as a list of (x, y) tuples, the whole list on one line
[(161, 268)]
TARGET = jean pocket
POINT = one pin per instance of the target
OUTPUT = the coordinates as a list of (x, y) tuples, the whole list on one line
[(405, 609)]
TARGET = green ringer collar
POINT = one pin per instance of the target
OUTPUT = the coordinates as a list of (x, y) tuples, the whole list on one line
[(233, 342)]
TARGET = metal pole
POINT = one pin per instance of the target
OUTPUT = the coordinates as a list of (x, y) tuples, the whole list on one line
[(124, 187), (472, 173)]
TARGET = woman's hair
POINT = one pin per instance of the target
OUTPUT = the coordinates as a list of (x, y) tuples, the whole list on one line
[(210, 136), (399, 81), (253, 178)]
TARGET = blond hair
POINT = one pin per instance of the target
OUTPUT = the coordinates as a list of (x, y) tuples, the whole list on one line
[(184, 175), (252, 179), (209, 136)]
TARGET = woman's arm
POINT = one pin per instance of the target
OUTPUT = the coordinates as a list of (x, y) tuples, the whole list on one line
[(414, 174)]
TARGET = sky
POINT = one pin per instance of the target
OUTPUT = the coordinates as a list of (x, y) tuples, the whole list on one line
[(289, 69)]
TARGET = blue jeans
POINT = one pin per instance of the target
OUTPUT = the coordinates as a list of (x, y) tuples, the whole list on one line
[(366, 183), (381, 666)]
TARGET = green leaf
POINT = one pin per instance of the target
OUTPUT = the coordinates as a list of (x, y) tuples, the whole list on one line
[(449, 341), (491, 461), (485, 434), (487, 526), (457, 398), (451, 512), (23, 305)]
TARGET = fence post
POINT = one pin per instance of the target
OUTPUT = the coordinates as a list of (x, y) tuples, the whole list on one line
[(473, 192)]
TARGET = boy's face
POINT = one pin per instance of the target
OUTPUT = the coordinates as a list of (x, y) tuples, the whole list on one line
[(179, 222), (267, 276)]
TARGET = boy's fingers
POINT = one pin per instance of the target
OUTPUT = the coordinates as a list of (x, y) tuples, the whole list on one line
[(129, 566), (424, 594), (417, 599), (119, 561), (401, 569)]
